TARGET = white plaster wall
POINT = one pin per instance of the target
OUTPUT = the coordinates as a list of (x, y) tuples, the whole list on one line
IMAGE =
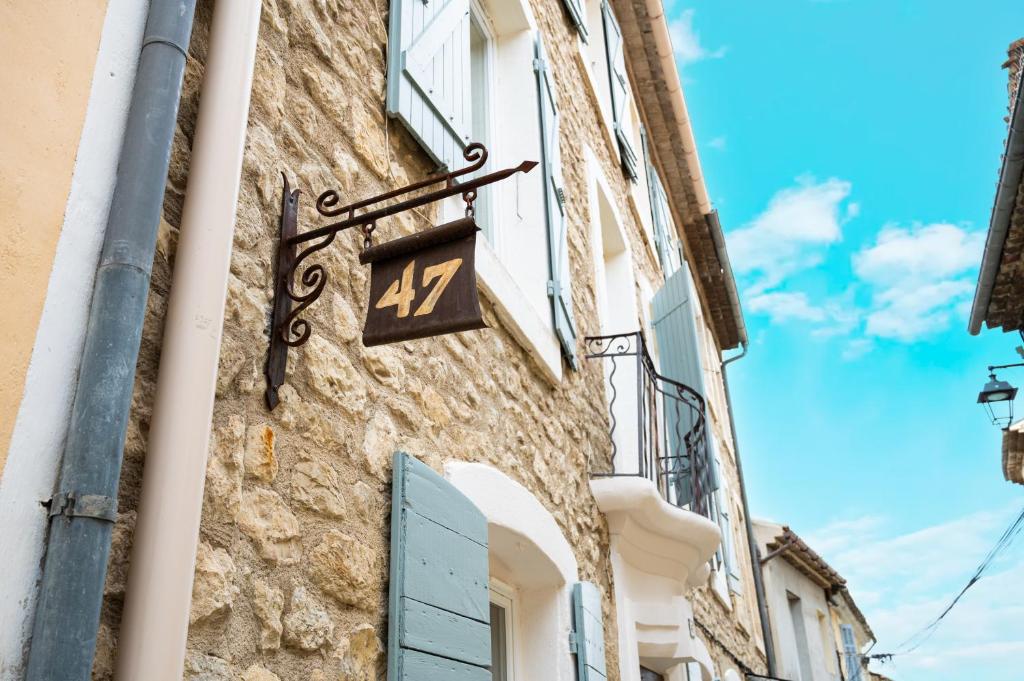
[(780, 577), (39, 431)]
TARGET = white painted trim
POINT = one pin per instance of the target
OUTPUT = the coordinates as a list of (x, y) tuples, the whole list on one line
[(515, 311), (37, 441), (507, 504), (528, 549), (504, 596)]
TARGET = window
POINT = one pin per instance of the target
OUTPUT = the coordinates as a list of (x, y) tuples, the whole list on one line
[(458, 76), (617, 310), (796, 614), (501, 632), (454, 538), (648, 675), (850, 653), (604, 56)]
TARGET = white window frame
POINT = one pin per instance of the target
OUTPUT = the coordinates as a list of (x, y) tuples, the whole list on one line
[(479, 18), (504, 596), (532, 328)]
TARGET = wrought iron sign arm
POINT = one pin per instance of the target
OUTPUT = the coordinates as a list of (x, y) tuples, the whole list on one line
[(288, 328)]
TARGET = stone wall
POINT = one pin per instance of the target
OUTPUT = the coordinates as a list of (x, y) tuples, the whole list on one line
[(292, 564)]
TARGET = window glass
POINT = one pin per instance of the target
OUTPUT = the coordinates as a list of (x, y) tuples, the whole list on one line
[(499, 643)]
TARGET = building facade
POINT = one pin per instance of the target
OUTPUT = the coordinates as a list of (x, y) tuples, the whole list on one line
[(999, 296), (557, 496), (818, 631)]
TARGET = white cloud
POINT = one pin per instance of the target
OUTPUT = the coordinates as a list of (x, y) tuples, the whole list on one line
[(792, 233), (920, 278), (784, 306), (921, 253), (686, 41), (857, 348), (717, 142), (903, 581)]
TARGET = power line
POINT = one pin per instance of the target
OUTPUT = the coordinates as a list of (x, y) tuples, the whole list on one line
[(921, 636)]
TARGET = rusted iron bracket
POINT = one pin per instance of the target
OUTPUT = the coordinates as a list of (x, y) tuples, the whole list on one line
[(293, 295)]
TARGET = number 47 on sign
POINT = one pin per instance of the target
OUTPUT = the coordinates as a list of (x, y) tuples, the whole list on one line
[(401, 292), (423, 285)]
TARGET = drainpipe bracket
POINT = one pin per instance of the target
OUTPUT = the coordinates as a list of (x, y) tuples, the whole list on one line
[(94, 506)]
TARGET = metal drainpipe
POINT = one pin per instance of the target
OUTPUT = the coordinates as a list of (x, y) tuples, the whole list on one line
[(154, 626), (755, 554), (83, 510)]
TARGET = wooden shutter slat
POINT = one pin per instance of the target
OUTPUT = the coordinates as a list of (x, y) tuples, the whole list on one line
[(439, 614), (439, 632), (422, 667)]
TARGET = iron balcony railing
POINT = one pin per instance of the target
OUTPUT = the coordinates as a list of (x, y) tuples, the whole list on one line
[(663, 419)]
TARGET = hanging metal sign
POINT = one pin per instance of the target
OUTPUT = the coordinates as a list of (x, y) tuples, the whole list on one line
[(420, 285), (423, 285)]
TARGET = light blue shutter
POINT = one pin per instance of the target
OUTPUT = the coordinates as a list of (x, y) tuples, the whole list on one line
[(850, 652), (560, 284), (429, 74), (732, 571), (660, 216), (675, 327), (439, 610), (587, 639), (578, 16), (619, 86)]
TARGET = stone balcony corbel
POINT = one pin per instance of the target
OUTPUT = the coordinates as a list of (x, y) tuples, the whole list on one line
[(652, 535)]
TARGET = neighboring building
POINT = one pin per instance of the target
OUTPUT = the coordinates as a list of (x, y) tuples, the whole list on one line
[(570, 470), (59, 141), (819, 632), (999, 297)]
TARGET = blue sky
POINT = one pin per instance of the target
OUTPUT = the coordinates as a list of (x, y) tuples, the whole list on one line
[(852, 149)]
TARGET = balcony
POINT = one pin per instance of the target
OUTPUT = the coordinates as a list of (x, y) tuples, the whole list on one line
[(656, 496), (659, 426)]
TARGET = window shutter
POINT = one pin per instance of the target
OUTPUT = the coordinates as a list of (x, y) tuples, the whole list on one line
[(560, 284), (578, 16), (428, 74), (676, 329), (588, 638), (619, 86), (660, 216), (850, 651), (732, 571), (439, 610), (679, 352)]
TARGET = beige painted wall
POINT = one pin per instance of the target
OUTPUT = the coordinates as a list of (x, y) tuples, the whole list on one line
[(50, 51)]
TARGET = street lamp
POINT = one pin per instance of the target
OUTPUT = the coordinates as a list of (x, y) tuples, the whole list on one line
[(997, 397)]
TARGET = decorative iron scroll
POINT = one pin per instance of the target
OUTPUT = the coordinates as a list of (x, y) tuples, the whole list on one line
[(293, 295)]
